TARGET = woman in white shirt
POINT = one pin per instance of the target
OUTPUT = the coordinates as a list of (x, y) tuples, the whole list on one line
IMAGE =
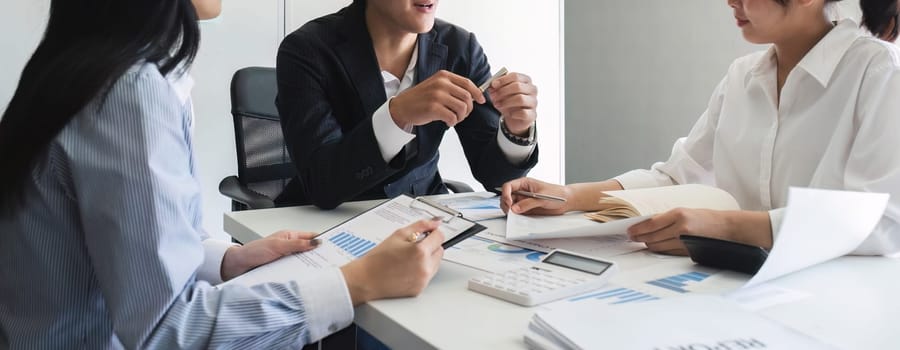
[(819, 108)]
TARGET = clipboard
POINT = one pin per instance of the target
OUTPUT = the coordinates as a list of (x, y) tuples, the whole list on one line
[(354, 237), (454, 215)]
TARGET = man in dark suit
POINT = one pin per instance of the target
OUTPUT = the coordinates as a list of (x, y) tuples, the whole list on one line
[(349, 141)]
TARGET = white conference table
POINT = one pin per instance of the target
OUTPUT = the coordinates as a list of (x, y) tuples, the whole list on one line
[(854, 302)]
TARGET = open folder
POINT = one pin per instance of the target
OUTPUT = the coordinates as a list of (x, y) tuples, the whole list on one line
[(355, 237)]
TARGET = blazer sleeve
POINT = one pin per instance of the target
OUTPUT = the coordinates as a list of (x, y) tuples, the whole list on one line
[(478, 133), (334, 166)]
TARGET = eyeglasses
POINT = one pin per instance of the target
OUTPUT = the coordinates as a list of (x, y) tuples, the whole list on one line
[(434, 209)]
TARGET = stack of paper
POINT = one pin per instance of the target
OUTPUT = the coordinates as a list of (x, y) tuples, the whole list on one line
[(690, 322)]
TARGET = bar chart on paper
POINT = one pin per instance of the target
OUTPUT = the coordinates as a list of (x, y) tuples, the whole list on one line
[(679, 283), (618, 295), (352, 244)]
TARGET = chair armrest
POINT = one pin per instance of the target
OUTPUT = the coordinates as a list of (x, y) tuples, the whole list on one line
[(457, 186), (232, 188)]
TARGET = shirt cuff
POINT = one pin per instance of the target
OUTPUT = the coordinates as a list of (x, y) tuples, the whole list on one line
[(776, 216), (643, 178), (213, 253), (515, 154), (326, 301), (391, 138)]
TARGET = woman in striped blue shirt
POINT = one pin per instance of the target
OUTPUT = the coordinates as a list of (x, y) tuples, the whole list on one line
[(100, 237)]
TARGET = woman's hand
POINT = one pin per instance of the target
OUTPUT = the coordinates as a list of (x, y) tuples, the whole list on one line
[(527, 205), (400, 266), (240, 259), (661, 231)]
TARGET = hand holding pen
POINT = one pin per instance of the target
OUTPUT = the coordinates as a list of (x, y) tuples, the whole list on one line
[(515, 97), (444, 96), (530, 196), (450, 98)]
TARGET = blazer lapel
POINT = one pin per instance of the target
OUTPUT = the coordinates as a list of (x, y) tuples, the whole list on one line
[(357, 55), (432, 58)]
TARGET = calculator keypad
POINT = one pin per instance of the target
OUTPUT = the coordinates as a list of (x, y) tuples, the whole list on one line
[(532, 285)]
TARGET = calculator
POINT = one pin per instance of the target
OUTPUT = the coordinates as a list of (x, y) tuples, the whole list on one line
[(560, 274)]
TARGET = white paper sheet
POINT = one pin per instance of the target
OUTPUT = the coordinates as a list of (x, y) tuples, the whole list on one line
[(820, 225), (765, 296), (597, 246), (474, 206), (570, 225), (689, 322)]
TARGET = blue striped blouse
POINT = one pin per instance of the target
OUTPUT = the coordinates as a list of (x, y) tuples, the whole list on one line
[(108, 251)]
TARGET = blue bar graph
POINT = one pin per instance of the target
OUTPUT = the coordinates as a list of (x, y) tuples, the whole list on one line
[(356, 246), (679, 282), (617, 296)]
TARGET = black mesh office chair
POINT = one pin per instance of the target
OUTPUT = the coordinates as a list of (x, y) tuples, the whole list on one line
[(264, 166)]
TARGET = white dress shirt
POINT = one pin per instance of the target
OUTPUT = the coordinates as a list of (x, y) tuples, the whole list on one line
[(837, 127), (391, 138), (108, 252)]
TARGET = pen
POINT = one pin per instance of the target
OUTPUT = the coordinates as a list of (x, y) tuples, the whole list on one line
[(535, 195), (417, 237), (421, 236), (487, 84)]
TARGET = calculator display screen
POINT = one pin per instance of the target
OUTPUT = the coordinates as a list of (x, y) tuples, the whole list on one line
[(577, 263)]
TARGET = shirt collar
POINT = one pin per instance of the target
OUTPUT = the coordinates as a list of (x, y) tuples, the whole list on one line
[(410, 69), (822, 60)]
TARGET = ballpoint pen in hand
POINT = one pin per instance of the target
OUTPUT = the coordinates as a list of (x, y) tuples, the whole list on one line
[(535, 195), (484, 86)]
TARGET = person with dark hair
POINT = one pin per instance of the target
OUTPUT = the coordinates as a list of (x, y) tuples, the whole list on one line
[(818, 109), (366, 94), (880, 17), (100, 237)]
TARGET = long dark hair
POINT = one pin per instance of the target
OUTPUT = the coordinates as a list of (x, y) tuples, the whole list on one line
[(87, 46), (880, 17)]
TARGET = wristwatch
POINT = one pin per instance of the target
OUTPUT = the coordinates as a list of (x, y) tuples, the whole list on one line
[(519, 140)]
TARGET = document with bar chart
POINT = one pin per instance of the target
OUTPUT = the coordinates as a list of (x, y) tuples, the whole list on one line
[(659, 282), (357, 236)]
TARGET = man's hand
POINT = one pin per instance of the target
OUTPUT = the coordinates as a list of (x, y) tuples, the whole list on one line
[(240, 259), (516, 98), (444, 96)]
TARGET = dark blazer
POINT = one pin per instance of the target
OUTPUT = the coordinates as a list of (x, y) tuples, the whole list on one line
[(330, 84)]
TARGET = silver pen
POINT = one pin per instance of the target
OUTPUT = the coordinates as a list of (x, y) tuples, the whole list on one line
[(535, 195), (487, 84)]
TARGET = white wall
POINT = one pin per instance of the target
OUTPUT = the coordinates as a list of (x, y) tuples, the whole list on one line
[(639, 74), (22, 24), (528, 39)]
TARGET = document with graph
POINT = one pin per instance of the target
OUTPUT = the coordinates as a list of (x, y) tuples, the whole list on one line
[(355, 237)]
